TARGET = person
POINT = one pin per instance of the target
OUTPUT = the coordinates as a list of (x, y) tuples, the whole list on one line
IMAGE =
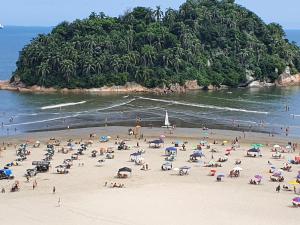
[(53, 190), (59, 202), (147, 167), (295, 189), (3, 190), (278, 188)]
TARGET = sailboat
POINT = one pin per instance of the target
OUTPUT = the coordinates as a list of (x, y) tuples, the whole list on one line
[(1, 26), (167, 122)]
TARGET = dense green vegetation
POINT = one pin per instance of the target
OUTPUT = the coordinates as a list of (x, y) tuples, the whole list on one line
[(216, 42)]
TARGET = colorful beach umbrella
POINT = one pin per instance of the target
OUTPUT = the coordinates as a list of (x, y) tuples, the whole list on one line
[(293, 182), (258, 176), (296, 200)]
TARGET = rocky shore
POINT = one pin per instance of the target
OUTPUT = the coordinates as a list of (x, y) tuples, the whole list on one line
[(285, 79)]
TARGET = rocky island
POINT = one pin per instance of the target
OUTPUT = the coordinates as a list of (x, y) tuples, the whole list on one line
[(203, 44)]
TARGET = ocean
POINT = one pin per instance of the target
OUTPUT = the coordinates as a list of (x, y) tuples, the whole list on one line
[(245, 109)]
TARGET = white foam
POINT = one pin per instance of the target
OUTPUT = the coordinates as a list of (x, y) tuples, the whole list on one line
[(116, 105), (40, 121), (204, 106), (62, 105)]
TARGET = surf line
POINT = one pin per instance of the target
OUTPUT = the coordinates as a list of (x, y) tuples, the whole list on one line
[(62, 105), (203, 106)]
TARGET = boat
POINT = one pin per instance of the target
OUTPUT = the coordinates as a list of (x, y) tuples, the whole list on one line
[(167, 122), (1, 26)]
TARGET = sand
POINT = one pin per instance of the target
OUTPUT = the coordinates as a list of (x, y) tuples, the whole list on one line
[(149, 197)]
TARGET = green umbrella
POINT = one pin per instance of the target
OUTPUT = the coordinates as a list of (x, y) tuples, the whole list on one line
[(257, 145)]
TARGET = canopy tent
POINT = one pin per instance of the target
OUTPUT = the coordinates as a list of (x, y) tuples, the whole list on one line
[(171, 150), (7, 172), (158, 141)]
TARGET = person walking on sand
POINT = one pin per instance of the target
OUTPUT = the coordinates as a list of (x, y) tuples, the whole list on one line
[(53, 190), (278, 188), (59, 202)]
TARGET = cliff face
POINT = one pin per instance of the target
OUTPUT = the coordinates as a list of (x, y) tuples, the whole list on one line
[(287, 79)]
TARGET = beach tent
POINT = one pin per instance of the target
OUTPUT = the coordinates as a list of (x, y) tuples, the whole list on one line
[(171, 151)]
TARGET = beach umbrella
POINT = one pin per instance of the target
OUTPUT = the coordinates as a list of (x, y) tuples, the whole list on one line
[(276, 146), (171, 149), (257, 145), (258, 176), (162, 136), (220, 175), (176, 169), (237, 168), (225, 142), (296, 200), (293, 182)]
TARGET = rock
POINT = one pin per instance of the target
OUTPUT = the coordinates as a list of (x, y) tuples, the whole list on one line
[(192, 85), (287, 79), (249, 79), (255, 84)]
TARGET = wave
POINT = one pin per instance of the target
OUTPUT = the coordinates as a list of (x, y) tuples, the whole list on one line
[(241, 100), (116, 105), (62, 105), (40, 121), (204, 106)]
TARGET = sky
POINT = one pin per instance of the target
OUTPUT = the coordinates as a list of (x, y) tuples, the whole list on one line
[(52, 12)]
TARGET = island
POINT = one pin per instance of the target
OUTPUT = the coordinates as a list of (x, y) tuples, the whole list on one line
[(203, 44)]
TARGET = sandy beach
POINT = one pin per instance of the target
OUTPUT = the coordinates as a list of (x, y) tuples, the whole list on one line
[(152, 196)]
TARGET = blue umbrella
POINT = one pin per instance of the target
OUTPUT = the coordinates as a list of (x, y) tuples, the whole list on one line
[(171, 149)]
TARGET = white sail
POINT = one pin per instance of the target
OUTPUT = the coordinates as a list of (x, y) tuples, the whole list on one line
[(167, 122), (1, 26)]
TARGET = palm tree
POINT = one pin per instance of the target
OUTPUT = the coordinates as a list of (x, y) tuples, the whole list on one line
[(43, 71), (158, 13), (67, 67)]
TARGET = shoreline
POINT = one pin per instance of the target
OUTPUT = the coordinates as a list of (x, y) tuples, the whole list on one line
[(284, 80), (179, 132)]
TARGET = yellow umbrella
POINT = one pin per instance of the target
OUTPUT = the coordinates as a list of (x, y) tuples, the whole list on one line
[(293, 182), (225, 142)]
